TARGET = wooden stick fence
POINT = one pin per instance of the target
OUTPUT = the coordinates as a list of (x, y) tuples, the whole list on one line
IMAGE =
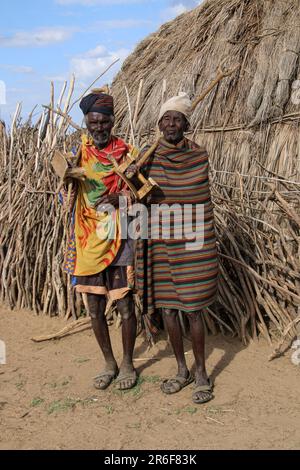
[(257, 223)]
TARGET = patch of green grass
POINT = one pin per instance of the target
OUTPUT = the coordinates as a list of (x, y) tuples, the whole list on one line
[(20, 385), (188, 409), (88, 401), (137, 389), (36, 402), (153, 379), (69, 404), (62, 405), (109, 409)]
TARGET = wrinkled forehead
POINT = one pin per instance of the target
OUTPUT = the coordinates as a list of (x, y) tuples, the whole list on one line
[(97, 117), (174, 114)]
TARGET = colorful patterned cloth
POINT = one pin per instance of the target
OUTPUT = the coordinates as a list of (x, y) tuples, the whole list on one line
[(95, 237), (168, 274)]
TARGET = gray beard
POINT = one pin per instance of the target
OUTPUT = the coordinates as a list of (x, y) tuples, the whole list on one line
[(103, 141)]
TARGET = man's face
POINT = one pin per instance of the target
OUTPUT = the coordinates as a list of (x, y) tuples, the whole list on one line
[(99, 126), (173, 124)]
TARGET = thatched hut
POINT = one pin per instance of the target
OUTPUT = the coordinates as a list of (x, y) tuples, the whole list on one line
[(250, 124)]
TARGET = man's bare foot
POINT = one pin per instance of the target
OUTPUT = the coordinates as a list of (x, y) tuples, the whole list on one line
[(127, 377), (203, 389), (105, 378)]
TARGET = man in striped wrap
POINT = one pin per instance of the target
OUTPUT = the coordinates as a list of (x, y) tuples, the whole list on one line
[(171, 275)]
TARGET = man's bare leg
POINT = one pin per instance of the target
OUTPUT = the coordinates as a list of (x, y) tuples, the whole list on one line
[(97, 305), (172, 323), (127, 376), (198, 343)]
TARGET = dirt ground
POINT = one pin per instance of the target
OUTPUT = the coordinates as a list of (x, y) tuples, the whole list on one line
[(47, 400)]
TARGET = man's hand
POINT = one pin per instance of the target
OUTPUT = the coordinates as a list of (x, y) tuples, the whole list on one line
[(131, 170), (76, 173), (112, 199)]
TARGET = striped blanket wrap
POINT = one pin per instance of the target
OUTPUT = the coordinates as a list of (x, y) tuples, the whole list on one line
[(168, 274)]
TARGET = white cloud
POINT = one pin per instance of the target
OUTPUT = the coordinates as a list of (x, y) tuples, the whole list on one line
[(90, 65), (17, 68), (178, 7), (170, 13), (98, 51), (37, 38)]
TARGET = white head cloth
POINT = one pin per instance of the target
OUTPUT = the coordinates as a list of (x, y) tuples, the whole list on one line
[(181, 103)]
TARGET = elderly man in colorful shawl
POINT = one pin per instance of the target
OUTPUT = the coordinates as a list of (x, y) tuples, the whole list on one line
[(173, 273), (98, 257)]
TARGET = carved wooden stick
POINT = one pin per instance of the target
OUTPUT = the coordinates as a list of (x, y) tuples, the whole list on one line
[(220, 75)]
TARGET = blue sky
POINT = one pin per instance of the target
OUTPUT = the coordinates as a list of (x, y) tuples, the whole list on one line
[(49, 40)]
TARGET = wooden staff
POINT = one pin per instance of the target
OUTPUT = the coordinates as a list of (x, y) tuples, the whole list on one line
[(221, 73)]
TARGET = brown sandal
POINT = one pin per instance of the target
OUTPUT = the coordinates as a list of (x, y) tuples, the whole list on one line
[(176, 384), (104, 379), (127, 376), (205, 391)]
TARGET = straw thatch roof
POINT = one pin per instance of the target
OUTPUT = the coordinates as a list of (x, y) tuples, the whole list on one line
[(262, 36)]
